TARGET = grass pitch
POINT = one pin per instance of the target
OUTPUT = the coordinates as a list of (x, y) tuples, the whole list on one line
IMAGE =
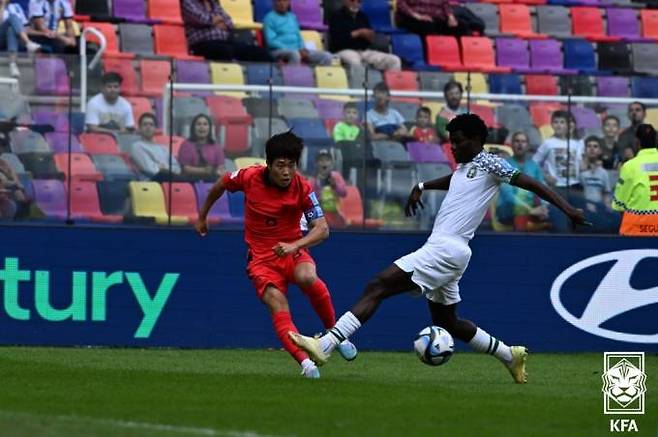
[(87, 392)]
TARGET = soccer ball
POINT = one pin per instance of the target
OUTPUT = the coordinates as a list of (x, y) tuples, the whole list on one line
[(434, 346)]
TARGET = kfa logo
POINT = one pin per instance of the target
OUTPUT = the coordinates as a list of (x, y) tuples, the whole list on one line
[(624, 388), (613, 296)]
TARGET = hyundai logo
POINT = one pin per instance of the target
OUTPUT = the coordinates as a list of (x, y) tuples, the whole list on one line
[(613, 296)]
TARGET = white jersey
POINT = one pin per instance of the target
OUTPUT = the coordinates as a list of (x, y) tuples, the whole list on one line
[(472, 187)]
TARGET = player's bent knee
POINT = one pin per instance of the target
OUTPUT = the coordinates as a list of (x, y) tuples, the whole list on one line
[(306, 279)]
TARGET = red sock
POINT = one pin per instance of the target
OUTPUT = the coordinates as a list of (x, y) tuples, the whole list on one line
[(318, 294), (282, 324)]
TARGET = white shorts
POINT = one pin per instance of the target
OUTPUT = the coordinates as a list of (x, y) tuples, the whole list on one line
[(437, 268)]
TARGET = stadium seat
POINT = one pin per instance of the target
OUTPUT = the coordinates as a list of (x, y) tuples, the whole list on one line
[(579, 55), (27, 141), (489, 14), (513, 117), (515, 20), (649, 18), (541, 84), (193, 72), (609, 86), (297, 75), (290, 107), (332, 77), (329, 109), (41, 165), (183, 201), (588, 23), (312, 39), (111, 42), (478, 55), (309, 14), (50, 198), (379, 15), (126, 141), (505, 84), (52, 77), (652, 116), (226, 108), (402, 81), (478, 82), (443, 51), (176, 142), (114, 197), (59, 142), (241, 13), (546, 56), (227, 74), (58, 120), (129, 86), (259, 74), (147, 201), (351, 209), (554, 21), (409, 48), (96, 8), (261, 133), (85, 203), (408, 110), (389, 152), (130, 10), (357, 76), (155, 74), (170, 40), (82, 168), (623, 23), (261, 8), (185, 109), (541, 112), (233, 123), (248, 161), (136, 38), (513, 53), (219, 213), (645, 58), (433, 81), (424, 152), (140, 105), (642, 87), (261, 107), (165, 11), (614, 56), (113, 167), (94, 143), (585, 117), (312, 130)]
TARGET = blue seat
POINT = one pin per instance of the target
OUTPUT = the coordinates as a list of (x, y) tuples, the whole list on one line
[(312, 130), (409, 48), (259, 74), (379, 14), (505, 84), (579, 55), (261, 8), (645, 87), (236, 204)]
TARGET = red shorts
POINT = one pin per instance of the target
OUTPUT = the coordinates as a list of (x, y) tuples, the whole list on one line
[(278, 272)]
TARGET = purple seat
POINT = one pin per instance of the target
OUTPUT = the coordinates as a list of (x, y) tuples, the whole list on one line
[(50, 197), (59, 142), (513, 52), (612, 86), (330, 109), (546, 56), (424, 152), (624, 22), (586, 118), (220, 210), (52, 78), (309, 14), (193, 72), (131, 10), (58, 120), (297, 75)]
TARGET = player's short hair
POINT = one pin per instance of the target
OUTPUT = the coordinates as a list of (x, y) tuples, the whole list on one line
[(285, 145), (424, 109), (350, 105), (452, 84), (646, 135), (111, 77), (146, 115), (471, 126)]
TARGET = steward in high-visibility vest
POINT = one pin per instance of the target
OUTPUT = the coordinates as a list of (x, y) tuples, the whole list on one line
[(636, 193)]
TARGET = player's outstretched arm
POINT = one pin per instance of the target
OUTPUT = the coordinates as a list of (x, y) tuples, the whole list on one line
[(527, 183), (413, 202), (318, 232), (215, 193)]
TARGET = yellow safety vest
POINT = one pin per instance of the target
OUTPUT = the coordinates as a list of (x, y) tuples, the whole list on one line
[(636, 194)]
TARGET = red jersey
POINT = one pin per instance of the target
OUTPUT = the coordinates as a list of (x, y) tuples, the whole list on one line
[(272, 214)]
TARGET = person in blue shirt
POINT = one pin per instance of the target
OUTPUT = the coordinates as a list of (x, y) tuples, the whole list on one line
[(284, 39)]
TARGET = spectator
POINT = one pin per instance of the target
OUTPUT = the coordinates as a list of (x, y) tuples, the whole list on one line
[(350, 37), (12, 31), (518, 207), (348, 129), (199, 155), (559, 156), (452, 93), (284, 39), (427, 17), (152, 159), (18, 203), (108, 112), (329, 186), (209, 33), (423, 132), (44, 19), (635, 193), (597, 188), (385, 123), (611, 153), (637, 112)]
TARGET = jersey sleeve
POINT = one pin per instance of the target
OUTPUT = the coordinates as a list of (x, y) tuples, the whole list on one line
[(498, 167), (310, 203), (623, 189), (235, 181)]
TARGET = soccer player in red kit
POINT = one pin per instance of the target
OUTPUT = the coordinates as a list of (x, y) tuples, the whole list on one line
[(276, 196)]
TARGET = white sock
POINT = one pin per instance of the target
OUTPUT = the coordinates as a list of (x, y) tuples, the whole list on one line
[(483, 342), (307, 363), (342, 330)]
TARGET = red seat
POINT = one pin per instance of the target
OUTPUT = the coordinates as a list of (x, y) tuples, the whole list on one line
[(155, 74), (184, 200), (443, 51), (515, 19), (129, 86), (170, 40), (486, 113), (402, 81), (96, 143), (351, 208), (85, 203), (140, 105), (447, 150), (649, 18), (587, 22), (541, 84), (233, 121), (166, 11), (478, 55), (112, 43), (541, 112), (164, 140), (225, 108), (82, 168)]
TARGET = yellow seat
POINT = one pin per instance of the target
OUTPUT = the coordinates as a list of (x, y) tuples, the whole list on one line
[(248, 161), (652, 116), (241, 13), (312, 40), (546, 131), (147, 200), (227, 74), (61, 28), (478, 83), (332, 77)]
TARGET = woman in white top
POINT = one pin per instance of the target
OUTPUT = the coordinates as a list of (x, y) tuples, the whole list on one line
[(12, 32)]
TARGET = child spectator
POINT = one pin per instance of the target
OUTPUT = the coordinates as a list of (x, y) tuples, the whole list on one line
[(610, 145), (348, 129), (328, 185), (424, 132), (597, 187)]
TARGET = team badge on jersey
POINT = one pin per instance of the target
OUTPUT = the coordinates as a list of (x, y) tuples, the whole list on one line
[(471, 172)]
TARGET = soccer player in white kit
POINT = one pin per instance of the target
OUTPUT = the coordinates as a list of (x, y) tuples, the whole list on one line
[(439, 264)]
